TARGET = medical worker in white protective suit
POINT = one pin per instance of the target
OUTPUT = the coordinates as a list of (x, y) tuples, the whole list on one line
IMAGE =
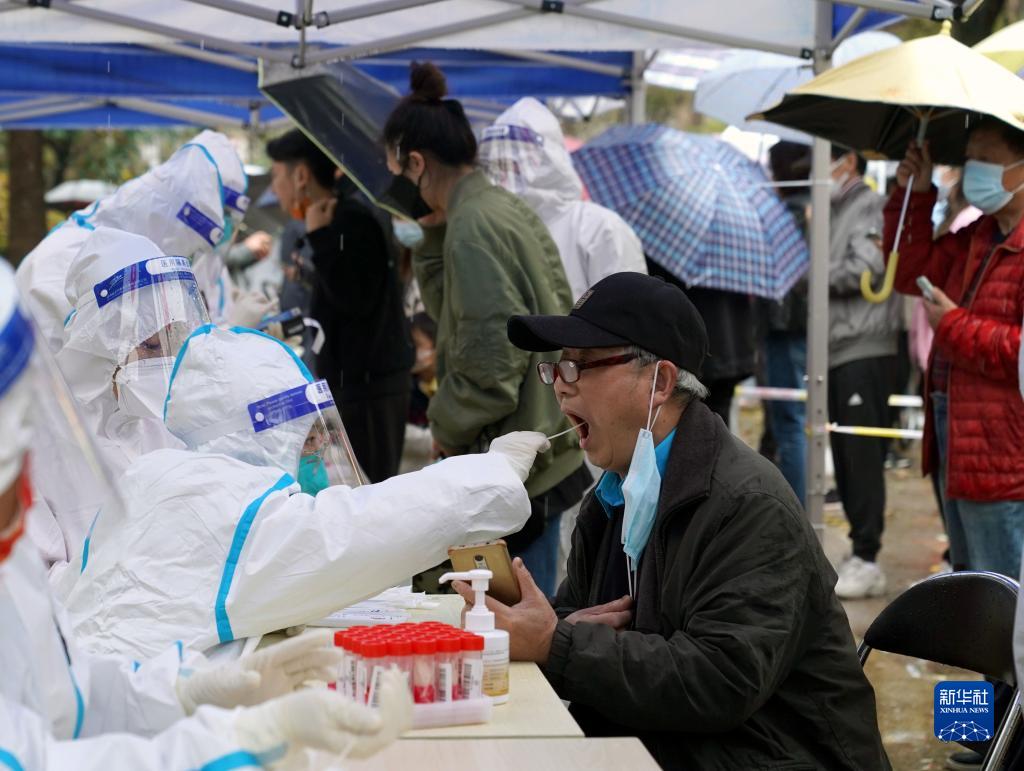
[(183, 206), (133, 307), (261, 524), (524, 152), (62, 709)]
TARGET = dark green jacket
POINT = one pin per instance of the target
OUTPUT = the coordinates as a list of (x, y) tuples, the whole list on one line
[(493, 260), (740, 655)]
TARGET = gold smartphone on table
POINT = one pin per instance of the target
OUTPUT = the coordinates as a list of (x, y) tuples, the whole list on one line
[(493, 556)]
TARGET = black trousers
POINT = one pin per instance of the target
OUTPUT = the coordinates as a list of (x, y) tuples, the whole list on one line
[(858, 395), (376, 428)]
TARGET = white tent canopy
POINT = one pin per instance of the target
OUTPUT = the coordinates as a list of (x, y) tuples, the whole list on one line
[(784, 26)]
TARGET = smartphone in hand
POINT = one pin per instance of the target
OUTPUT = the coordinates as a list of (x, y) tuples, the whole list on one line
[(492, 556)]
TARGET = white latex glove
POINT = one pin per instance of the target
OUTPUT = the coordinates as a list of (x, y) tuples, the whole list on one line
[(265, 674), (395, 715), (315, 719), (250, 308), (520, 448)]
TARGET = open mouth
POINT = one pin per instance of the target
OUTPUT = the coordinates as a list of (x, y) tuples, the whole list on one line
[(581, 426)]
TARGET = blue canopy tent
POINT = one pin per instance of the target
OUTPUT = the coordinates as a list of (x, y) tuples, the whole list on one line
[(101, 85)]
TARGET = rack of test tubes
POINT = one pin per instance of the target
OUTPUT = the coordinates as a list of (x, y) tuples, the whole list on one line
[(442, 664)]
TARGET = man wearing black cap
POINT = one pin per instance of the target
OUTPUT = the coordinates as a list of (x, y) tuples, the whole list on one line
[(698, 611)]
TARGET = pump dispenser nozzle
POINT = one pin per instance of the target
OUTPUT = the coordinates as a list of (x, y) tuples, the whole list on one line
[(479, 618)]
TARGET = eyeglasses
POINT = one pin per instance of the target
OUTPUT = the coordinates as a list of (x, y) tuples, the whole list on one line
[(569, 370)]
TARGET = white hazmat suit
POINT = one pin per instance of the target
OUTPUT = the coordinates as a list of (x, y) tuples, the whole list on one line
[(133, 307), (179, 205), (524, 152), (63, 709), (220, 544)]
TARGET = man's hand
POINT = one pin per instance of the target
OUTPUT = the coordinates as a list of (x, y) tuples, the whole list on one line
[(936, 310), (530, 623), (617, 614), (917, 163), (259, 244), (320, 213)]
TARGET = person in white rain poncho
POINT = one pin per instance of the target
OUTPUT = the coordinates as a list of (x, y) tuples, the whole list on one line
[(63, 709), (257, 526), (133, 307), (524, 152), (182, 205)]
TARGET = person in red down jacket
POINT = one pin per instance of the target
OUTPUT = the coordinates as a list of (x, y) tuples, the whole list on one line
[(974, 428)]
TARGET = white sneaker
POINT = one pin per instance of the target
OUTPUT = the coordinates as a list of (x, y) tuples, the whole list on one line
[(859, 579)]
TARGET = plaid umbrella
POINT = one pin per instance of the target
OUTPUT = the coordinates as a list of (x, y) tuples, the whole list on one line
[(703, 211)]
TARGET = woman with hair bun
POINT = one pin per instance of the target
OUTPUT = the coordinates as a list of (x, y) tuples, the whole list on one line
[(484, 257)]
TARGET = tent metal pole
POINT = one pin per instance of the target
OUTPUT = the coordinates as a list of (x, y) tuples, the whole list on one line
[(39, 101), (405, 40), (817, 310), (340, 16), (563, 61), (281, 18), (30, 113), (672, 30), (525, 9), (937, 10), (184, 114), (207, 41), (638, 90), (848, 29), (189, 52)]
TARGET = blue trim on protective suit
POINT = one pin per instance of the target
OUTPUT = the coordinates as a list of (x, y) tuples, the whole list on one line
[(8, 759), (224, 632), (79, 704), (88, 539), (239, 759)]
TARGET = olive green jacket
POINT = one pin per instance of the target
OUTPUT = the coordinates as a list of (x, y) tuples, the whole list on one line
[(494, 259)]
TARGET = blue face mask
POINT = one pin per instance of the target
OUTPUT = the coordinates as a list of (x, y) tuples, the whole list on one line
[(641, 489), (983, 185), (313, 474), (409, 234)]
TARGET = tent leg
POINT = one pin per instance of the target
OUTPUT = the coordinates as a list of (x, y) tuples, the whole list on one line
[(638, 90), (817, 307)]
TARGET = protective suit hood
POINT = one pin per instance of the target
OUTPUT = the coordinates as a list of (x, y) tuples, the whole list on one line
[(534, 163), (132, 308), (233, 178), (177, 205), (16, 345), (212, 386)]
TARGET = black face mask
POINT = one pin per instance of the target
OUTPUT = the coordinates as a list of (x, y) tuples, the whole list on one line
[(404, 195)]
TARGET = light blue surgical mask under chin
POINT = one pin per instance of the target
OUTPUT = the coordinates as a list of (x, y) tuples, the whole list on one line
[(408, 233), (313, 474), (641, 489), (983, 185)]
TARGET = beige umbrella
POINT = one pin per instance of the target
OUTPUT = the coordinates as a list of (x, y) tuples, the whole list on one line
[(1005, 47), (930, 88)]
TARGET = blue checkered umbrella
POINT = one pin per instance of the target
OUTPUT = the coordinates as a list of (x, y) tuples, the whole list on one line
[(703, 211)]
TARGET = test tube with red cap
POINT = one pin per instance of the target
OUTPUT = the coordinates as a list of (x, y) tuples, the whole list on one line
[(449, 653), (375, 654), (472, 665), (423, 670)]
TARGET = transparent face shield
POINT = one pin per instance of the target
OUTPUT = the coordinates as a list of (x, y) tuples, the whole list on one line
[(513, 156), (325, 457), (69, 481), (146, 312)]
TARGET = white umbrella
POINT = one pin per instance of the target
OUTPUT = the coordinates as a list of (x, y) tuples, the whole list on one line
[(751, 81), (79, 191)]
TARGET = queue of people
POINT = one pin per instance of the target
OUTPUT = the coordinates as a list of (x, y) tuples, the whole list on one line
[(226, 485)]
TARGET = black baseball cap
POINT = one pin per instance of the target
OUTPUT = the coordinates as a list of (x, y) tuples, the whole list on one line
[(622, 309)]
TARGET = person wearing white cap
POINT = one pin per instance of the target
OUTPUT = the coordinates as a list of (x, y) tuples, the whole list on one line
[(260, 524), (61, 708), (524, 152), (180, 205)]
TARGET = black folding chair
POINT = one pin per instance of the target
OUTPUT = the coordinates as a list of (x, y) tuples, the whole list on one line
[(962, 620)]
